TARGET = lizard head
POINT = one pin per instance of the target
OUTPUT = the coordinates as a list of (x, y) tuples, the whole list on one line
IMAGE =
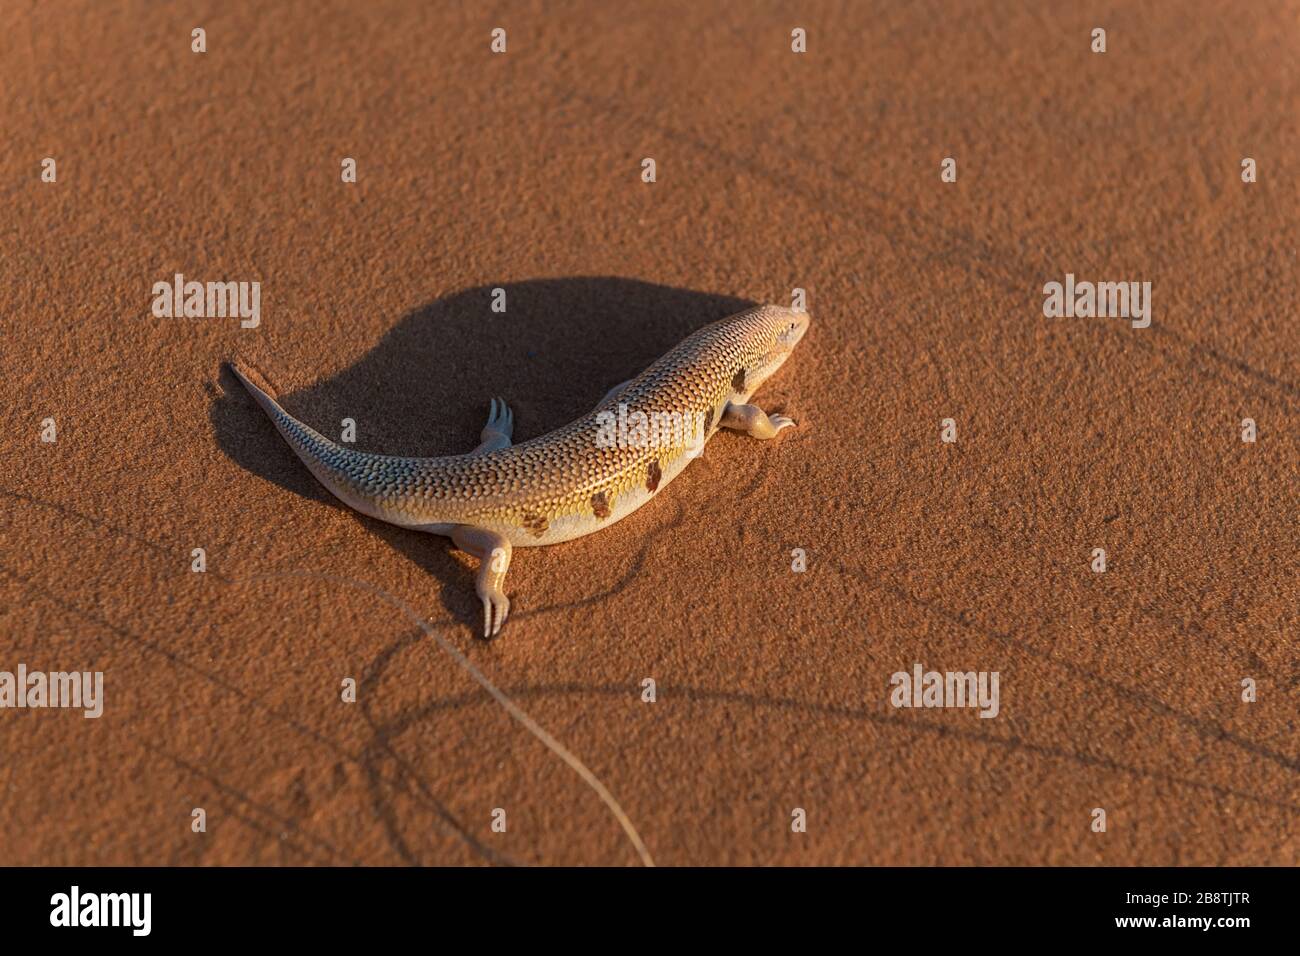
[(769, 335)]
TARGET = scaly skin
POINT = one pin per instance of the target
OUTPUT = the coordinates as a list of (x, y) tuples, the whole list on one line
[(574, 480)]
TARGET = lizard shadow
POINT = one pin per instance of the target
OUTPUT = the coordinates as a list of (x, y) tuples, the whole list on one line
[(423, 389)]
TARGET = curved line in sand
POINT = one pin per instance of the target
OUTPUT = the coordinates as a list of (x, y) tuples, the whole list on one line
[(511, 707)]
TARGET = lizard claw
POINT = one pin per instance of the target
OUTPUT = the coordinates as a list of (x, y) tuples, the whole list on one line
[(780, 421), (500, 427), (495, 608)]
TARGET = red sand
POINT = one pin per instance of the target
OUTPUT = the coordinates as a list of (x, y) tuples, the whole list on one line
[(1119, 690)]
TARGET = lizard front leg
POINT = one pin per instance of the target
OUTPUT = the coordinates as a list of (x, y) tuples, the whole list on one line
[(493, 552), (753, 421)]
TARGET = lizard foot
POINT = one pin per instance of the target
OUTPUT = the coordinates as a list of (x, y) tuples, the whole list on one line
[(753, 421), (495, 608), (493, 552), (499, 429)]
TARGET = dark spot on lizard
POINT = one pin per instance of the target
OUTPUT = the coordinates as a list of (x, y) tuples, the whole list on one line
[(708, 421), (738, 382), (652, 476), (535, 524), (600, 504)]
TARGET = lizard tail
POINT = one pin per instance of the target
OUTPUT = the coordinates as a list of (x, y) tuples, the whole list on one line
[(332, 464)]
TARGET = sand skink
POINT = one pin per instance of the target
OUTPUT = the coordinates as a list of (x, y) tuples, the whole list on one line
[(574, 480)]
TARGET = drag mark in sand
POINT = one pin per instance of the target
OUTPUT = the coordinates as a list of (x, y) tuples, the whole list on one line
[(913, 727), (511, 708)]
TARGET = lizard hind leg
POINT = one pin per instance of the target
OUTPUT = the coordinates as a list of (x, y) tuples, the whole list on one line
[(493, 551), (499, 430)]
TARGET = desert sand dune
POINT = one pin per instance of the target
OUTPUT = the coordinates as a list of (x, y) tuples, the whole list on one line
[(1119, 690)]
